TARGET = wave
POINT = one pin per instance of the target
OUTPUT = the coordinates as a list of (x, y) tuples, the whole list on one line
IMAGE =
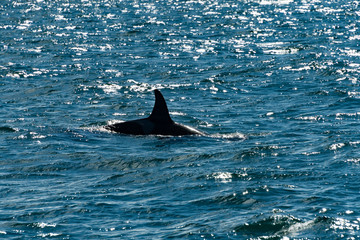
[(229, 136), (5, 129), (280, 226)]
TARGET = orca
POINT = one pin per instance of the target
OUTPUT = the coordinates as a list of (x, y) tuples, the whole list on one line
[(158, 123)]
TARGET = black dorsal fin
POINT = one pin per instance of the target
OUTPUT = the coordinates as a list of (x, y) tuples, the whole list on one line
[(160, 111)]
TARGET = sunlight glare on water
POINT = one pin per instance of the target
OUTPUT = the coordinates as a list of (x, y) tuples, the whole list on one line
[(273, 83)]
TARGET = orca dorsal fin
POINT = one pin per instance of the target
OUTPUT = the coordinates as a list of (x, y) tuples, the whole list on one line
[(160, 111)]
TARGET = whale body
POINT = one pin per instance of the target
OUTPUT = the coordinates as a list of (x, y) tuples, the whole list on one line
[(158, 123)]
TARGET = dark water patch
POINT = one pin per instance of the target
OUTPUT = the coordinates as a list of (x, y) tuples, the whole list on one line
[(30, 176), (5, 129), (125, 163), (269, 227), (192, 231), (234, 200), (280, 226)]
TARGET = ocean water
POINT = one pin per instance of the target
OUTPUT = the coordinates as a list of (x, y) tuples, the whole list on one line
[(274, 83)]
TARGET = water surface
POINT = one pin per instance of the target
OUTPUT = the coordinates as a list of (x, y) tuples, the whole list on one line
[(275, 84)]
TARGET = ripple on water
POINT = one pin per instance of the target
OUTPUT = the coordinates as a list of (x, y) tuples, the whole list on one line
[(274, 83)]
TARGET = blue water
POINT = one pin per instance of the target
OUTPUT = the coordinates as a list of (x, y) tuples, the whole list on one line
[(274, 83)]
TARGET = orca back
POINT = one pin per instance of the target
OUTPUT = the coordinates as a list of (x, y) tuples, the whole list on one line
[(158, 123)]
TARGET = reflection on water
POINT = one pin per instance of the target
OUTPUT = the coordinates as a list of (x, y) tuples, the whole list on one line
[(273, 82)]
